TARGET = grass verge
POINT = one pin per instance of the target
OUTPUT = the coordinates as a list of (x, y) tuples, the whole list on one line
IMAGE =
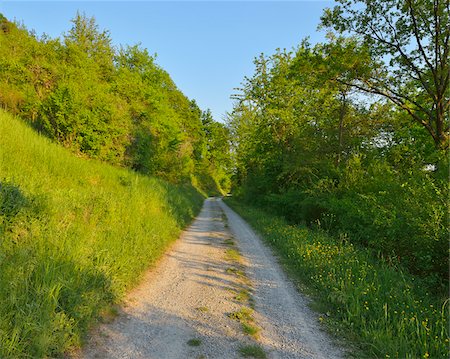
[(75, 236), (383, 310)]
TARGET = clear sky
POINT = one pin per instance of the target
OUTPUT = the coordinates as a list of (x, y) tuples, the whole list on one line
[(206, 46)]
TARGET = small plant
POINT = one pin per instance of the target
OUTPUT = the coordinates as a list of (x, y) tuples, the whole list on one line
[(244, 314), (250, 329), (233, 255), (245, 317), (229, 242), (194, 342), (243, 295), (238, 272), (203, 309), (252, 351)]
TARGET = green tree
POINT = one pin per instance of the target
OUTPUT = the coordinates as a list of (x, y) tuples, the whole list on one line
[(85, 36), (410, 41)]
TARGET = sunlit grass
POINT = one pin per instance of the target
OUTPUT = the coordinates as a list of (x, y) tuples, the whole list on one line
[(243, 295), (232, 255), (250, 329), (235, 271), (385, 311), (75, 236), (242, 314)]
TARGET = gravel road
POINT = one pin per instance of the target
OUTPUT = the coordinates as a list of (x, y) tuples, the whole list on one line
[(184, 307)]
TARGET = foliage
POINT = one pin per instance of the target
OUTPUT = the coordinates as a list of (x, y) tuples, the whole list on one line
[(116, 105), (76, 235), (311, 149), (384, 310), (413, 36)]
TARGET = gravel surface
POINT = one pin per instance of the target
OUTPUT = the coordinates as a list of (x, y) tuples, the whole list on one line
[(192, 292)]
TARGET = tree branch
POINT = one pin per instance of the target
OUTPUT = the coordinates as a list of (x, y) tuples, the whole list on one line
[(419, 43), (398, 47), (398, 99)]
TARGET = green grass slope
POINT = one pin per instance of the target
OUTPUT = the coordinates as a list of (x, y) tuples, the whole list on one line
[(75, 235)]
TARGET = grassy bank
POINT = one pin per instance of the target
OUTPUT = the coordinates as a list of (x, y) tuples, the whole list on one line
[(75, 235), (386, 312)]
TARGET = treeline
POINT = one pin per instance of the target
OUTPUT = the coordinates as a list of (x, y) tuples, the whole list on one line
[(113, 104), (352, 135)]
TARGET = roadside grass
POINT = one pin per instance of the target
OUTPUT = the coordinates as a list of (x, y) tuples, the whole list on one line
[(385, 311), (245, 317), (108, 313), (76, 234), (252, 351)]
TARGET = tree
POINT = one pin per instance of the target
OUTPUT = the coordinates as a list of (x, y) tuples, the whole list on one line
[(413, 37), (85, 36)]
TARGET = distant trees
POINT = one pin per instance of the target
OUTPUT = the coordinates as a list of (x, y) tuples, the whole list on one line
[(116, 105)]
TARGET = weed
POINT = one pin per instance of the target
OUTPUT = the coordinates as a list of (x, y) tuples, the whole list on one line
[(244, 314), (225, 220), (232, 255), (109, 313), (194, 342), (252, 351), (236, 271), (203, 309), (229, 242), (250, 329), (243, 295)]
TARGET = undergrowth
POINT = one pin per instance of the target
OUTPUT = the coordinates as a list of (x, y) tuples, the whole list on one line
[(384, 310), (75, 236)]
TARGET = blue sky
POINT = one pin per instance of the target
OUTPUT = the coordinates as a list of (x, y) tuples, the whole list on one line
[(206, 46)]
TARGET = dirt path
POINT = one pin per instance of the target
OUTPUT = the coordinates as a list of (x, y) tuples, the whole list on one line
[(198, 301)]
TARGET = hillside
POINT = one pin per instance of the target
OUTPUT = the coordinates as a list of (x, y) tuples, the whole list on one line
[(76, 234), (115, 104)]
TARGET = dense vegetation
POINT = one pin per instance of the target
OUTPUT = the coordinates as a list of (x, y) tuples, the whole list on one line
[(75, 235), (116, 105), (348, 141), (310, 145)]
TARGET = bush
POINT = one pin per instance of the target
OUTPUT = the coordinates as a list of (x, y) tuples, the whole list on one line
[(396, 213)]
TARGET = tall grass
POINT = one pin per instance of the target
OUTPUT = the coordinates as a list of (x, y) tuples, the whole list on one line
[(385, 311), (75, 235)]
